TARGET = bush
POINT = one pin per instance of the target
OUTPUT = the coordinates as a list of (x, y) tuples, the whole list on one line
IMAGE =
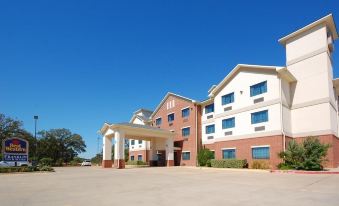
[(309, 155), (46, 169), (229, 163), (134, 162), (46, 161), (74, 163), (204, 155), (59, 163), (17, 169), (260, 164), (284, 166), (208, 163)]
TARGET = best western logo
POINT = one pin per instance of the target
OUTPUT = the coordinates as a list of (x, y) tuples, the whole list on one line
[(15, 148)]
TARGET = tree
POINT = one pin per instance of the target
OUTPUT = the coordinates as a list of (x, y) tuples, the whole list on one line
[(97, 159), (203, 156), (309, 155), (60, 144)]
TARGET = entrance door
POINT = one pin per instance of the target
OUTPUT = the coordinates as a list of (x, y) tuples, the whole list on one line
[(177, 158)]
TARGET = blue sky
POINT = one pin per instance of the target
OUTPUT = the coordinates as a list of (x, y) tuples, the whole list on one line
[(77, 64)]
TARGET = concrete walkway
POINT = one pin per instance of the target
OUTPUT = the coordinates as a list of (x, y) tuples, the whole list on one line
[(166, 186)]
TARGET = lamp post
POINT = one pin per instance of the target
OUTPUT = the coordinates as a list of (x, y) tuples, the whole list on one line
[(36, 117)]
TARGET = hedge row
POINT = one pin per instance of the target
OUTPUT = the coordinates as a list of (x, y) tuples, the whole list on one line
[(25, 169), (134, 162), (229, 163)]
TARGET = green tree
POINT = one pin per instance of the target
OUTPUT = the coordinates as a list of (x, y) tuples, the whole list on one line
[(308, 155), (204, 155), (97, 159), (60, 144)]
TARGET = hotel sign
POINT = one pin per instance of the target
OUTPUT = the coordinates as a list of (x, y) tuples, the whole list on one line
[(15, 149)]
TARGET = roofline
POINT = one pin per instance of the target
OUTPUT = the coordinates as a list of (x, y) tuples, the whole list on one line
[(166, 96), (328, 20), (142, 109), (235, 69)]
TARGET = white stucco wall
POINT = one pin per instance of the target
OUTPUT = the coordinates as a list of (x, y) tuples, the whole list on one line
[(243, 106)]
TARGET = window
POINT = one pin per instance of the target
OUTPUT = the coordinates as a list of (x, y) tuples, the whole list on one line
[(228, 123), (227, 99), (139, 157), (186, 155), (170, 117), (261, 152), (132, 142), (158, 122), (185, 131), (132, 158), (258, 117), (210, 129), (140, 141), (209, 108), (258, 88), (185, 112), (228, 154)]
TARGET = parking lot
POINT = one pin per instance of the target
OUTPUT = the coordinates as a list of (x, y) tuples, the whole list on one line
[(166, 186)]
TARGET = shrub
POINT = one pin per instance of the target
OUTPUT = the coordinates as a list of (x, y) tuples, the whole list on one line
[(59, 163), (134, 162), (309, 155), (203, 156), (74, 163), (46, 168), (17, 169), (260, 164), (284, 166), (229, 163), (208, 163), (46, 161)]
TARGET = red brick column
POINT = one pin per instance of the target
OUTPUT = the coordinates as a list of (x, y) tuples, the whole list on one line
[(106, 163), (119, 164), (170, 163)]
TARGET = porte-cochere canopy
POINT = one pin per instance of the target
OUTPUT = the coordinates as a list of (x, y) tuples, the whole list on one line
[(160, 139)]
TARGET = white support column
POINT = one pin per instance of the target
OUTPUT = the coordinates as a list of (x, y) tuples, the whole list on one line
[(119, 149), (169, 152), (107, 152), (153, 153)]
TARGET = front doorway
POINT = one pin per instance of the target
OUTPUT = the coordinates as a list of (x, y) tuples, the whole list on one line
[(177, 158)]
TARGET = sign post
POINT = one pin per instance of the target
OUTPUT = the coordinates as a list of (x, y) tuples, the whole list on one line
[(15, 150)]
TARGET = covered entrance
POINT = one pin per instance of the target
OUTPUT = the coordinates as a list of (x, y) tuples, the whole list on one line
[(160, 140)]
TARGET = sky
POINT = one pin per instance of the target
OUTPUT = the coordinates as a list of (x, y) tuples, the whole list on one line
[(78, 64)]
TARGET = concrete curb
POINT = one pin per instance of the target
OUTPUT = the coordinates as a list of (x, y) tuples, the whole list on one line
[(306, 172)]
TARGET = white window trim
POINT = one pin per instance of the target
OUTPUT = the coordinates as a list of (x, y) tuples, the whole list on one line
[(185, 151), (185, 127), (228, 148), (259, 146), (185, 108), (170, 113)]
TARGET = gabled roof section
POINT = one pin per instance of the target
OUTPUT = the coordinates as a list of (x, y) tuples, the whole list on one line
[(327, 20), (165, 98), (144, 118), (235, 70)]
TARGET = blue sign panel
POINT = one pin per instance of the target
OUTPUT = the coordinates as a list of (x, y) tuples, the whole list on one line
[(15, 158), (15, 149)]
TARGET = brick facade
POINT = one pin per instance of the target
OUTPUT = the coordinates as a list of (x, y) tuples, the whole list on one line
[(143, 153), (181, 143), (244, 150)]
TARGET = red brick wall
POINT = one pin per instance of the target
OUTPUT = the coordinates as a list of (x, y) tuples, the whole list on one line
[(178, 124), (244, 151), (144, 154)]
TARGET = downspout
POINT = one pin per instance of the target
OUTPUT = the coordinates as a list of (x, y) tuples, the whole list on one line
[(196, 134), (281, 116)]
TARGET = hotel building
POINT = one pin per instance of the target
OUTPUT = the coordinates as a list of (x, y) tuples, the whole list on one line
[(256, 110)]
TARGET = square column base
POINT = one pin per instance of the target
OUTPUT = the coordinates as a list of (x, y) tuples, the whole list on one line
[(170, 163), (119, 164), (106, 164)]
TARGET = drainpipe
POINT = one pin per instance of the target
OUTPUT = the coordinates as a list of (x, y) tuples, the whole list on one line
[(196, 133), (281, 116)]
